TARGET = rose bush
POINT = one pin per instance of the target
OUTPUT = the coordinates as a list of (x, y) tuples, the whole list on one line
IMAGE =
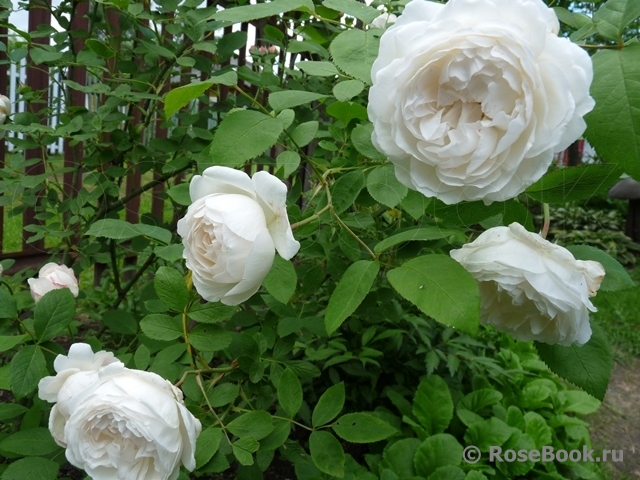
[(51, 277), (530, 287), (471, 99), (232, 230), (115, 422)]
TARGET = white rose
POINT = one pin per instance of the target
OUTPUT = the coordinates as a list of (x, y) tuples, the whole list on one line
[(232, 230), (117, 423), (384, 20), (5, 110), (51, 277), (531, 288), (471, 99)]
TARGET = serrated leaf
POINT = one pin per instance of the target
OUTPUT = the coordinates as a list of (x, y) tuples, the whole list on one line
[(256, 424), (161, 327), (614, 124), (292, 98), (329, 405), (8, 342), (171, 288), (53, 313), (433, 405), (399, 457), (8, 306), (613, 16), (304, 133), (281, 280), (290, 393), (181, 96), (478, 399), (318, 68), (346, 189), (243, 135), (243, 448), (437, 451), (354, 52), (170, 253), (142, 357), (354, 285), (441, 288), (415, 234), (356, 9), (248, 13), (28, 366), (11, 410), (588, 366), (384, 187), (210, 338), (361, 138), (575, 20), (121, 230), (34, 441), (100, 48), (347, 89), (120, 321), (211, 313), (207, 445), (362, 428), (574, 183), (616, 277), (487, 433), (289, 162), (32, 468), (327, 453)]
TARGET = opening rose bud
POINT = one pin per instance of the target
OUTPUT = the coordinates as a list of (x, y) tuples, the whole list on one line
[(117, 423), (471, 99), (232, 231), (51, 277), (531, 288)]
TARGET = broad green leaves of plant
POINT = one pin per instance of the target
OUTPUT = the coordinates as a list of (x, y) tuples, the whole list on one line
[(53, 313), (614, 124), (281, 280), (122, 230), (613, 16), (354, 51), (181, 96), (433, 405), (441, 288), (248, 13), (329, 405), (616, 277)]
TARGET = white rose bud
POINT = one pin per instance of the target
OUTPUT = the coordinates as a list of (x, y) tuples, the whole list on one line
[(471, 99), (383, 20), (232, 230), (5, 110), (51, 277), (531, 288), (117, 423)]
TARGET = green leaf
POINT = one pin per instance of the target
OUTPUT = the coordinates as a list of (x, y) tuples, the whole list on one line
[(171, 288), (32, 468), (475, 475), (120, 321), (211, 312), (362, 428), (433, 405), (281, 280), (170, 253), (616, 277), (161, 327), (347, 89), (327, 453), (588, 366), (11, 410), (442, 289), (575, 20), (242, 135), (304, 133), (35, 441), (100, 48), (207, 445), (243, 448), (578, 402), (318, 68), (224, 394), (290, 393), (8, 342), (292, 98), (574, 183), (210, 338), (487, 433), (28, 366), (256, 424), (614, 124), (437, 451), (478, 399), (346, 189), (384, 187), (356, 9), (354, 51), (248, 13), (181, 96), (329, 405), (40, 55), (8, 307), (448, 472), (349, 293), (180, 194), (121, 230), (538, 430), (613, 17), (289, 161), (141, 357), (279, 435), (361, 138), (399, 457), (414, 234)]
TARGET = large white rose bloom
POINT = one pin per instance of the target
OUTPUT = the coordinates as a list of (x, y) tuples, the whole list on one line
[(531, 288), (52, 277), (117, 423), (232, 230), (471, 99)]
